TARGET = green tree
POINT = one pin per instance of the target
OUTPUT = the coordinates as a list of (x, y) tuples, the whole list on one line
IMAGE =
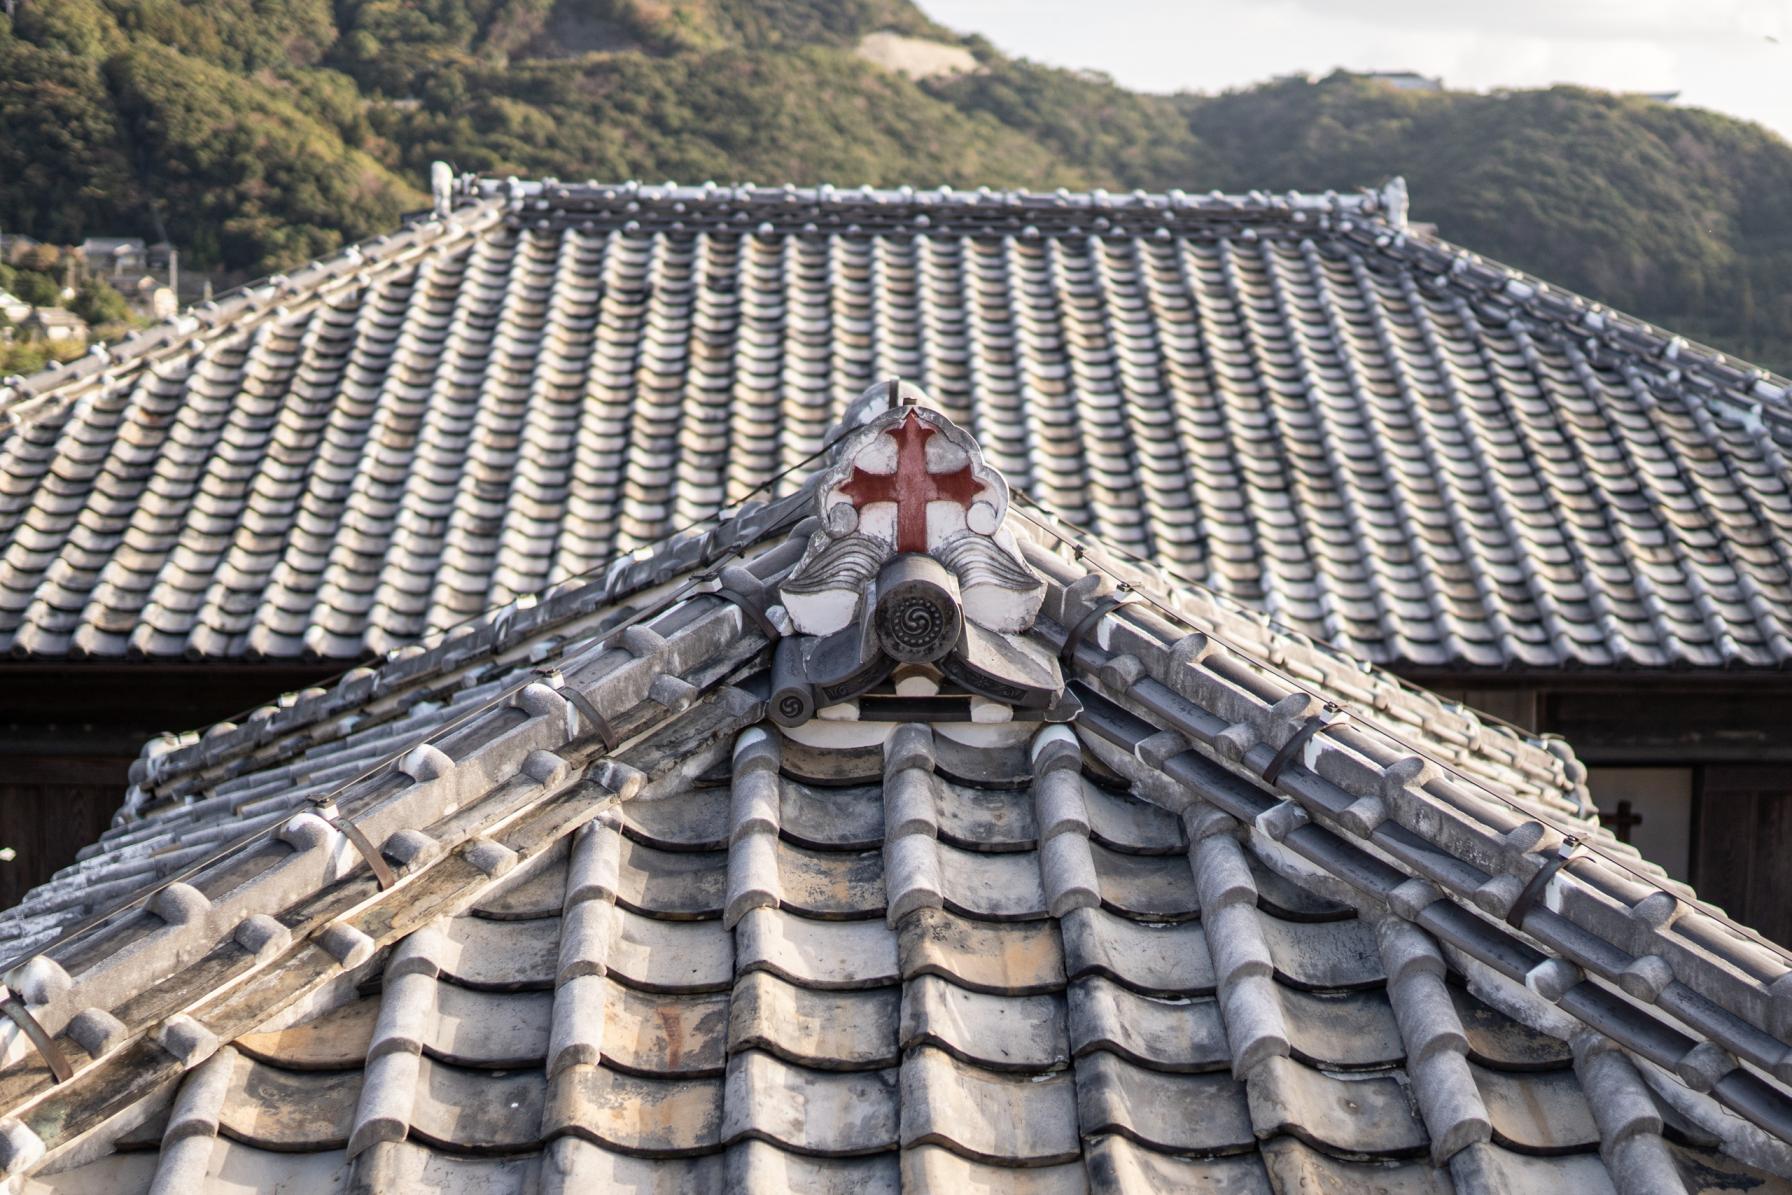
[(98, 303), (37, 289)]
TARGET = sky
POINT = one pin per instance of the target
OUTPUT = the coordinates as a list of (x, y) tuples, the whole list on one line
[(1734, 56)]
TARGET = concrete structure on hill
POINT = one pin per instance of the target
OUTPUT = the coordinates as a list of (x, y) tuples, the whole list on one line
[(1406, 80)]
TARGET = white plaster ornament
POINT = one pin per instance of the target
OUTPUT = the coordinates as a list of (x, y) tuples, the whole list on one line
[(910, 481), (912, 590)]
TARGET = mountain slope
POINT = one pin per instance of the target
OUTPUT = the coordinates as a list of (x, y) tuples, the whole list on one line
[(259, 133)]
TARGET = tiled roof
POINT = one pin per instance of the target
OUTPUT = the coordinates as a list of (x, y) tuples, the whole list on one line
[(645, 1011), (636, 938), (1378, 438)]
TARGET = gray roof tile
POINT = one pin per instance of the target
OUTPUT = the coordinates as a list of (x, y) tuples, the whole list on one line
[(988, 1115), (1358, 1114), (1376, 437), (675, 966), (810, 1111), (813, 1027), (995, 1032), (1006, 958), (1166, 1034)]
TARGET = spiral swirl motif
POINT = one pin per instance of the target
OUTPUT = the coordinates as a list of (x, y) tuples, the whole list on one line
[(917, 625), (915, 622), (918, 618), (792, 707)]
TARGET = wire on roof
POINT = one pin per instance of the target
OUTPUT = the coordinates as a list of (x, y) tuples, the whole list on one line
[(440, 634), (1577, 835), (327, 800)]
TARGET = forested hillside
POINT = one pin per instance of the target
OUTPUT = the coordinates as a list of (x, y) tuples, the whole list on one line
[(258, 133)]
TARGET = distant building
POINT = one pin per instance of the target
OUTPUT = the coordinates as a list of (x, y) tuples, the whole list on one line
[(55, 324), (13, 308), (138, 289), (1406, 80), (13, 243), (115, 255)]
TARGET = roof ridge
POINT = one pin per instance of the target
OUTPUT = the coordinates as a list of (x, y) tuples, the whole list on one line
[(197, 751), (171, 765), (1475, 867), (481, 805), (1551, 755), (867, 210), (548, 192), (746, 521)]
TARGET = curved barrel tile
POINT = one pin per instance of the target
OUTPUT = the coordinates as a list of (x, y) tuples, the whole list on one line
[(828, 1029), (1007, 958), (987, 1115), (998, 1032)]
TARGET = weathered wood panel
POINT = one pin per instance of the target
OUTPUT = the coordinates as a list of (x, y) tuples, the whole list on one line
[(69, 732), (50, 807), (1743, 844)]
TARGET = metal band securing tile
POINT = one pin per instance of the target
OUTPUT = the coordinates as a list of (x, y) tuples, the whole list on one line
[(46, 1045), (1570, 850), (1324, 720), (382, 870), (1087, 622), (751, 609), (595, 722)]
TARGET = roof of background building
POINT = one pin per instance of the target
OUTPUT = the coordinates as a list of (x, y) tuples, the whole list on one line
[(1378, 438), (57, 317), (636, 935)]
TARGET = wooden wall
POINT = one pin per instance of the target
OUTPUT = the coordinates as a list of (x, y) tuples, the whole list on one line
[(69, 732), (1742, 844), (50, 807)]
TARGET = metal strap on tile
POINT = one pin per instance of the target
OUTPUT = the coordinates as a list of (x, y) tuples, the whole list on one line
[(595, 722), (1325, 719), (1570, 850), (46, 1045), (750, 608), (382, 870), (1106, 606)]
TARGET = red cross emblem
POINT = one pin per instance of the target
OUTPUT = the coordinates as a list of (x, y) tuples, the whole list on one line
[(912, 486)]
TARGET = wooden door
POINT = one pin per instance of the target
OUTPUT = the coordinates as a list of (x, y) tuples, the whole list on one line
[(1743, 844), (50, 807)]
